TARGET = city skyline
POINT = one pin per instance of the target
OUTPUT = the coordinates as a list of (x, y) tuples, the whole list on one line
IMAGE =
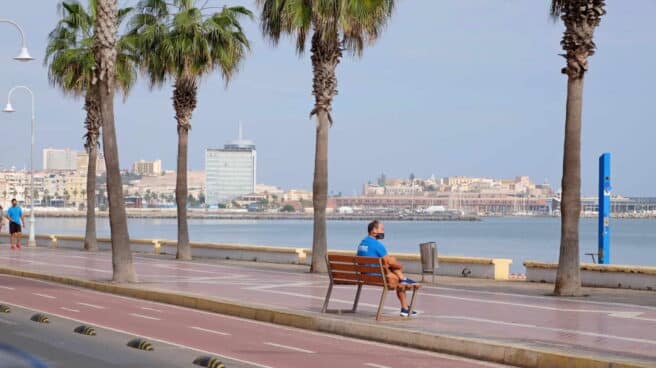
[(502, 117)]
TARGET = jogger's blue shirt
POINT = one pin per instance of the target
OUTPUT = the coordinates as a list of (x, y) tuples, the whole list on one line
[(14, 214)]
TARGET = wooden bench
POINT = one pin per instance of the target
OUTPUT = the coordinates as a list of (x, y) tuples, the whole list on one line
[(360, 271)]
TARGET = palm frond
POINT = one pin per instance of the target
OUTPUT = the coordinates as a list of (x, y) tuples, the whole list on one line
[(181, 41)]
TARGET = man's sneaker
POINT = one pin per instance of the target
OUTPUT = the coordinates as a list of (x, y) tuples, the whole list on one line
[(407, 281), (12, 247), (405, 312), (18, 246)]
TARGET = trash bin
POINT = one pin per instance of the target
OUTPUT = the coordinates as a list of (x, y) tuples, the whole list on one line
[(428, 253)]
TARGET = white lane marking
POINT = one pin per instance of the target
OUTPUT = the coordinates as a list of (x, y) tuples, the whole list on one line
[(293, 348), (11, 323), (59, 265), (145, 337), (210, 331), (348, 302), (294, 284), (169, 267), (152, 309), (144, 317), (45, 296), (70, 309), (631, 315), (540, 298), (7, 287), (374, 365), (575, 332), (534, 306), (91, 305), (223, 267)]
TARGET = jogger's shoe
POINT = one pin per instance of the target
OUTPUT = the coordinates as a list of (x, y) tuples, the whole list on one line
[(406, 312), (13, 248), (18, 246)]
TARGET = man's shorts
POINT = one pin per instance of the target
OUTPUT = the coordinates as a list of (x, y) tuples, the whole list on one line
[(14, 228)]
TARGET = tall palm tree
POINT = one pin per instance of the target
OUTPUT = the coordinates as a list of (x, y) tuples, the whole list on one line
[(580, 17), (181, 41), (70, 61), (104, 46), (336, 25)]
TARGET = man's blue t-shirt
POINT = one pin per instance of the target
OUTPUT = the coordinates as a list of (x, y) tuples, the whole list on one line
[(15, 214), (371, 247)]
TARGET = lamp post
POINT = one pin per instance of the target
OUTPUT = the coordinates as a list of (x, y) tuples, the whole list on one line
[(23, 54), (32, 239)]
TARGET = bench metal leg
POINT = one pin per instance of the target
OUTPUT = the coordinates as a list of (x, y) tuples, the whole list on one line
[(325, 303), (382, 303), (357, 298), (412, 302)]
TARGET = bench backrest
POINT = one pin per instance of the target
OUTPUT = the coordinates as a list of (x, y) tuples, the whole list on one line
[(354, 270)]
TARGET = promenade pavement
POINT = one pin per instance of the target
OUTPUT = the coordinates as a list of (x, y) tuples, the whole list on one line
[(609, 323)]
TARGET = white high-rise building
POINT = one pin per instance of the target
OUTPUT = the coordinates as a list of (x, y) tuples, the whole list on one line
[(59, 159), (230, 172)]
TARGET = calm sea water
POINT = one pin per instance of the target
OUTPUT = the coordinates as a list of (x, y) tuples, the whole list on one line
[(632, 241)]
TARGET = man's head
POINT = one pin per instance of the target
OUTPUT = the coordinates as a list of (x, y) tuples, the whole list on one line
[(13, 202), (376, 229)]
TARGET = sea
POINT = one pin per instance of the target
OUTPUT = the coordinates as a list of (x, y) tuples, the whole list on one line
[(633, 241)]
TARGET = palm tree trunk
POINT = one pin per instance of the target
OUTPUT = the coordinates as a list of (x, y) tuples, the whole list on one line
[(325, 57), (105, 49), (580, 19), (568, 278), (90, 243), (184, 103), (320, 194), (92, 124)]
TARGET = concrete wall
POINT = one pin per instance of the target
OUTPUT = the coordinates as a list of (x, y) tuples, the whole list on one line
[(595, 275), (486, 268)]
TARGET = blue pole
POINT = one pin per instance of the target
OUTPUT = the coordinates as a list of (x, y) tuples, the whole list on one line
[(604, 208)]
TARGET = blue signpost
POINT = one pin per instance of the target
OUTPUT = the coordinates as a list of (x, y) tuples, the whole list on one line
[(604, 208)]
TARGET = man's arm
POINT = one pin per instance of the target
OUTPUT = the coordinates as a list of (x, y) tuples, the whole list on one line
[(391, 262)]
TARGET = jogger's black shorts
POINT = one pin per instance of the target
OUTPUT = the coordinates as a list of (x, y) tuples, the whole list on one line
[(14, 228)]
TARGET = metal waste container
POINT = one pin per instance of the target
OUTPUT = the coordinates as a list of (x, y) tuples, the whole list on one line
[(428, 253)]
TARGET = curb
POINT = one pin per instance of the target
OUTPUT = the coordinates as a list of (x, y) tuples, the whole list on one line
[(479, 349)]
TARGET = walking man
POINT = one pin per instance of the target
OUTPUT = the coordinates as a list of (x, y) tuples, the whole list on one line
[(372, 247), (16, 221)]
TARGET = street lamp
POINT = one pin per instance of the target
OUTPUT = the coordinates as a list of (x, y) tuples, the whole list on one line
[(8, 108), (23, 54)]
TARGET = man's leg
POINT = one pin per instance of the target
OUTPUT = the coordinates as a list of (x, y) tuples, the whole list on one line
[(12, 239), (400, 293), (18, 239)]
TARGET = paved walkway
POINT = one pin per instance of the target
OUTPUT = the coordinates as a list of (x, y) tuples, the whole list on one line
[(585, 326)]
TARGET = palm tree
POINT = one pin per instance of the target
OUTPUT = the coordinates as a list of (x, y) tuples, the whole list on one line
[(177, 40), (70, 61), (336, 25), (104, 46), (580, 17)]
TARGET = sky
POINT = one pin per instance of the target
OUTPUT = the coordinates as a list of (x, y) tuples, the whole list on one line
[(452, 87)]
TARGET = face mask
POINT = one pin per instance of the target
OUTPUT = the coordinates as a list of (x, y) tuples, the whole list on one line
[(380, 236)]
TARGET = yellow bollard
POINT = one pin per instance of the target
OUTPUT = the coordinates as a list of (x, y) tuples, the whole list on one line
[(156, 246)]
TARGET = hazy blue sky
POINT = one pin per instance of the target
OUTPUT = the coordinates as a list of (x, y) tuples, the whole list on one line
[(460, 87)]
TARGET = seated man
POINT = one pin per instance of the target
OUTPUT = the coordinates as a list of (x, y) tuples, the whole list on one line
[(372, 247)]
